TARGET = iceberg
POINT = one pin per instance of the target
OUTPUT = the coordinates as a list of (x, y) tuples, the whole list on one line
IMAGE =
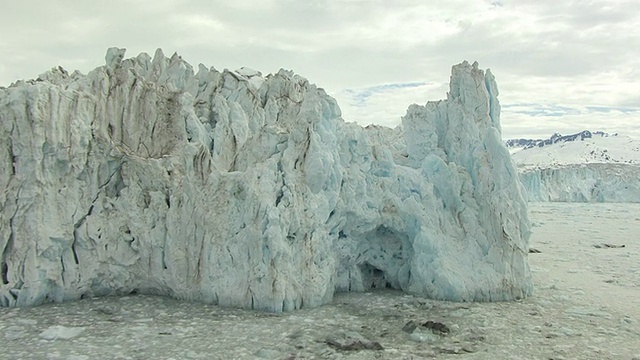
[(244, 190)]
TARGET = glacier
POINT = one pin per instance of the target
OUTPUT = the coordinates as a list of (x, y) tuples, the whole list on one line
[(583, 167), (244, 190), (588, 183)]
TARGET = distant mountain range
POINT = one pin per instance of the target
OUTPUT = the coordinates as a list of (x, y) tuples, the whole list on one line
[(554, 139)]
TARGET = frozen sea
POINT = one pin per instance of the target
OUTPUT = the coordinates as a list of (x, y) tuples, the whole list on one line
[(586, 306)]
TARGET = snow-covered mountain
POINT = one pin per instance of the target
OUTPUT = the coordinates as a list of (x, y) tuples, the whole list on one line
[(251, 191), (583, 167), (518, 144)]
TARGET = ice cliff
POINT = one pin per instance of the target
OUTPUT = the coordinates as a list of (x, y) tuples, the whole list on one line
[(246, 190), (580, 168), (617, 183)]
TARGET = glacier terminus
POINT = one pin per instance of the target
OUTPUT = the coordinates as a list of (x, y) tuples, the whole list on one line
[(251, 191)]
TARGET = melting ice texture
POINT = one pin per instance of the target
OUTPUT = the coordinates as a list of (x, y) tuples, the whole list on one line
[(249, 191)]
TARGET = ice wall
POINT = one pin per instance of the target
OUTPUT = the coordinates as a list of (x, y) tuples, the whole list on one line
[(583, 183), (250, 191)]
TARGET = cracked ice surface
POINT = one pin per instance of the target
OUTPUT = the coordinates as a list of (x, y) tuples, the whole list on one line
[(237, 189)]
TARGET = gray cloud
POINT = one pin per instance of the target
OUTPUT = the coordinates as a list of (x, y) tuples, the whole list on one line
[(574, 54)]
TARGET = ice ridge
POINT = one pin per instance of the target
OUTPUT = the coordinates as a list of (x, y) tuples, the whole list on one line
[(246, 190)]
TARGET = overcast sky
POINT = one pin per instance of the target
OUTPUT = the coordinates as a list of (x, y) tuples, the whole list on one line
[(561, 65)]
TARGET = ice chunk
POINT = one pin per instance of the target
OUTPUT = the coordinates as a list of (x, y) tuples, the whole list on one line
[(248, 72), (114, 57), (59, 332)]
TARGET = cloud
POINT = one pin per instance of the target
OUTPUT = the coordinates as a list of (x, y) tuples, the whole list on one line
[(518, 125), (575, 54), (535, 110), (361, 96), (385, 104)]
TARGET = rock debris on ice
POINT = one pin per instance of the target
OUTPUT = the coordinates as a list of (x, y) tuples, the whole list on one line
[(246, 190)]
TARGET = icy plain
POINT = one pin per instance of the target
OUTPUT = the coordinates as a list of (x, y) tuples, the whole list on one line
[(585, 307), (236, 189)]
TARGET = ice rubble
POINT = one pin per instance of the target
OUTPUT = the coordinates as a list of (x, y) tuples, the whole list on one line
[(250, 191)]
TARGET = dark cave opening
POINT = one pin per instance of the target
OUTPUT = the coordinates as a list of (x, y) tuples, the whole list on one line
[(374, 278), (4, 269)]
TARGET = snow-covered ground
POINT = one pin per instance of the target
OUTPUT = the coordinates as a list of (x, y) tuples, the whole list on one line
[(586, 306)]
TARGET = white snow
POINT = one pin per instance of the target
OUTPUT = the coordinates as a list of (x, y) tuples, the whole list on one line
[(596, 150), (254, 77), (143, 177), (598, 169)]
